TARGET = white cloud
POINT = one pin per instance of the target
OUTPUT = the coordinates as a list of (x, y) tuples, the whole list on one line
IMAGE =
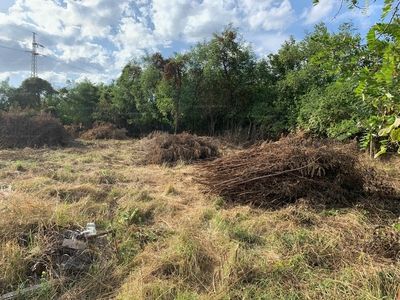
[(264, 44), (189, 20), (319, 12), (268, 15)]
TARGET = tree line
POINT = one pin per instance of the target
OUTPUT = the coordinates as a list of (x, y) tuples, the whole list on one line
[(331, 84)]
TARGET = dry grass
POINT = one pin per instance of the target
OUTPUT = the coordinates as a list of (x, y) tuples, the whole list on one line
[(173, 241)]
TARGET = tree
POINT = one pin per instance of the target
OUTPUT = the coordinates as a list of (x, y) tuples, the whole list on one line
[(379, 85), (234, 64), (169, 90), (390, 7), (331, 107), (217, 85), (6, 92), (291, 78), (333, 111), (32, 93), (78, 104)]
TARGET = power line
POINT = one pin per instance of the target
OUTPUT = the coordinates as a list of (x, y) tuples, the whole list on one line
[(39, 34), (51, 58), (89, 65), (10, 38), (47, 39), (59, 60), (35, 54), (12, 48), (19, 28)]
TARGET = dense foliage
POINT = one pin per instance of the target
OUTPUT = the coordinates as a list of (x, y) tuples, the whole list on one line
[(328, 83)]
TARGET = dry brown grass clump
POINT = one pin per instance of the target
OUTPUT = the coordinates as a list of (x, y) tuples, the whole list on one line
[(281, 172), (29, 128), (104, 131), (169, 149)]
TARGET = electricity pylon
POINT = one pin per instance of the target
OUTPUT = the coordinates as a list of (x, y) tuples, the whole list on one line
[(34, 55)]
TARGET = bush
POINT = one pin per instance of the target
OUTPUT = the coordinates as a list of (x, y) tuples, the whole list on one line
[(29, 128)]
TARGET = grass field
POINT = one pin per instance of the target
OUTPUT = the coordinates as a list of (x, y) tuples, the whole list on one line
[(175, 241)]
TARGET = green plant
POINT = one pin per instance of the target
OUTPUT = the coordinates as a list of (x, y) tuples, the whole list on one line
[(170, 189), (114, 193), (219, 202), (128, 217), (18, 166)]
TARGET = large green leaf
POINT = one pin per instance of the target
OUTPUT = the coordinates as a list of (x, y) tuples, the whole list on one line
[(382, 151), (395, 135), (396, 122), (385, 131)]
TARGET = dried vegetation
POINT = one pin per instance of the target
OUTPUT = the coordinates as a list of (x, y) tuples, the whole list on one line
[(163, 148), (28, 128), (104, 131), (277, 173)]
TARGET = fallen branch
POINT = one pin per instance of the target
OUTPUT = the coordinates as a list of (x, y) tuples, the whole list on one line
[(30, 290)]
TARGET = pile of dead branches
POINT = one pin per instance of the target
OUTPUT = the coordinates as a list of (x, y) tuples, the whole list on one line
[(281, 172), (29, 128), (105, 131), (164, 148)]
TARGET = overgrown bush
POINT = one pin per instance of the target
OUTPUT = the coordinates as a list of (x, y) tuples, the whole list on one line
[(105, 131), (29, 128)]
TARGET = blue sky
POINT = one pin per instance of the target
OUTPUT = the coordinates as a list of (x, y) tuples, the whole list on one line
[(95, 39)]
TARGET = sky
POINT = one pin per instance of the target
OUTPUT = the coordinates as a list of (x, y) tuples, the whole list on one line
[(95, 39)]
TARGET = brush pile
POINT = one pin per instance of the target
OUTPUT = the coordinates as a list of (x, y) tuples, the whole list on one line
[(105, 131), (29, 128), (163, 148), (278, 173)]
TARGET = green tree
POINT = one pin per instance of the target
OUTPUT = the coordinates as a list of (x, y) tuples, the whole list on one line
[(33, 92), (290, 76), (6, 92), (78, 103), (118, 99), (169, 90), (200, 107), (331, 107), (333, 111), (379, 84), (233, 62)]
